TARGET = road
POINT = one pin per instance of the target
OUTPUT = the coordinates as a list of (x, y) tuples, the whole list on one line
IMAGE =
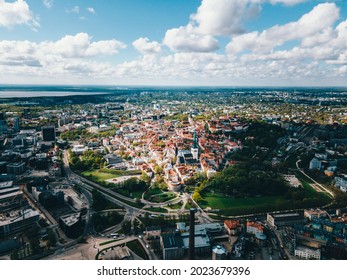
[(331, 194), (88, 250), (114, 197)]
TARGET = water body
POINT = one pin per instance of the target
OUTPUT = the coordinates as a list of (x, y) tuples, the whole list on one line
[(14, 91), (22, 91)]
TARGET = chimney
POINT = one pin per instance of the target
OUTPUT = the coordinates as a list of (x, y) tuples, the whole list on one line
[(192, 234)]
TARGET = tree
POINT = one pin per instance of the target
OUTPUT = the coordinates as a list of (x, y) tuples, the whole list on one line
[(144, 177), (52, 239), (126, 227), (35, 246), (197, 196), (15, 254), (158, 169)]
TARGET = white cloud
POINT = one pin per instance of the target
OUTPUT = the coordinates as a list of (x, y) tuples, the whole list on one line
[(91, 10), (212, 69), (76, 55), (144, 46), (48, 3), (216, 18), (287, 2), (223, 17), (309, 51), (317, 22), (17, 13), (80, 45), (187, 39), (213, 18)]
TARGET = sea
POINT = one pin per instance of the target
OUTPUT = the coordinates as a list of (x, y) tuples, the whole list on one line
[(41, 91), (20, 91)]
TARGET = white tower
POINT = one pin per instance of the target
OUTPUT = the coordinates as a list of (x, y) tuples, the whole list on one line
[(195, 149)]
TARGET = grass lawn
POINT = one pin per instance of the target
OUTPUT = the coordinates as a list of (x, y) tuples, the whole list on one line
[(189, 205), (235, 206), (176, 206), (162, 197), (155, 191), (121, 172), (125, 192), (98, 176), (137, 194), (305, 181), (152, 191)]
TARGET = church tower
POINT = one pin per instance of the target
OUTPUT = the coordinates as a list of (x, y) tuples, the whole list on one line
[(195, 149)]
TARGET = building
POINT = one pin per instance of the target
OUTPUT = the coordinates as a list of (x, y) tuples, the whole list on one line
[(315, 213), (289, 238), (16, 124), (11, 197), (79, 149), (315, 163), (232, 227), (15, 168), (260, 238), (175, 246), (113, 159), (17, 221), (153, 231), (70, 224), (336, 250), (64, 120), (202, 242), (254, 228), (26, 113), (286, 219), (172, 246), (7, 246), (195, 149), (3, 127), (219, 253), (203, 234), (341, 182), (48, 133), (307, 253)]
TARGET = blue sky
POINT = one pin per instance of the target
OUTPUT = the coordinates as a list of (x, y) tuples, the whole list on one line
[(174, 42)]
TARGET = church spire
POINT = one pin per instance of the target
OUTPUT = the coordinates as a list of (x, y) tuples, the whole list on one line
[(195, 145)]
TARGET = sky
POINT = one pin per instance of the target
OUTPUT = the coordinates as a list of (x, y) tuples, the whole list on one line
[(174, 42)]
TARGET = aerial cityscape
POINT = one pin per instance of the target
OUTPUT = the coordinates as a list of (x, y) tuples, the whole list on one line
[(167, 130), (258, 174)]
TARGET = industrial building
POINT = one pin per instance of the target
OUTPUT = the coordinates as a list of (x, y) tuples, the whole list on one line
[(286, 219), (172, 246), (176, 245)]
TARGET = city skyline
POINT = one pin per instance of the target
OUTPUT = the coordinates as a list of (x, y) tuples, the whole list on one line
[(207, 43)]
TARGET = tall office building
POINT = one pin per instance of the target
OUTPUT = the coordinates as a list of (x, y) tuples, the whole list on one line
[(3, 124), (16, 124), (48, 133)]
